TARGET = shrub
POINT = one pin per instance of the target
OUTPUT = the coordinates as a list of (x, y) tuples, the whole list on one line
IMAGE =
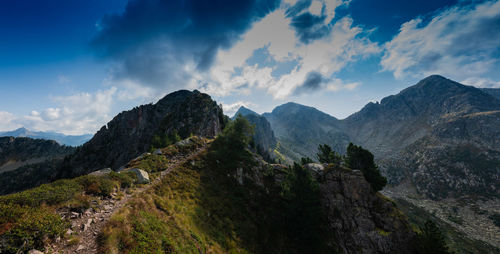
[(97, 186), (33, 226)]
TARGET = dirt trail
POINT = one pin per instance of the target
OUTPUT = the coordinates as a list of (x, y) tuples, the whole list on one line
[(87, 226)]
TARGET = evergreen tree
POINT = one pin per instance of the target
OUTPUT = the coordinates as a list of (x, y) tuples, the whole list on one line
[(305, 160), (327, 155), (303, 212), (430, 240), (229, 147), (362, 159)]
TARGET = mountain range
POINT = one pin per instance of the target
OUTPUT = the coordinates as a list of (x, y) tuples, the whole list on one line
[(69, 140), (435, 120), (437, 142)]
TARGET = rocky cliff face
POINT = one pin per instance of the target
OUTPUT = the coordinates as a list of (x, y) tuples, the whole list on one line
[(130, 133), (362, 221)]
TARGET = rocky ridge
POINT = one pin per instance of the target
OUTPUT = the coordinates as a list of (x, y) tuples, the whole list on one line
[(130, 133)]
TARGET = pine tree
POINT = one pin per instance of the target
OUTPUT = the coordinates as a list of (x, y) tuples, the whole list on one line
[(362, 159), (430, 240), (327, 155)]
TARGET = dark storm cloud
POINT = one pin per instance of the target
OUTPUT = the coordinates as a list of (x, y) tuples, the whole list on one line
[(153, 40), (310, 27), (314, 82)]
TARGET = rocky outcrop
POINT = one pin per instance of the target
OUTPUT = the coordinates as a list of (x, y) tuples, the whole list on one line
[(358, 220), (362, 221), (130, 133)]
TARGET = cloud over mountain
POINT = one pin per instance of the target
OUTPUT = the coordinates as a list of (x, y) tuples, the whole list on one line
[(461, 41), (162, 42)]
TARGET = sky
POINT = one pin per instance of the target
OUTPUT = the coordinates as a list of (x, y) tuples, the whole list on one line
[(71, 66)]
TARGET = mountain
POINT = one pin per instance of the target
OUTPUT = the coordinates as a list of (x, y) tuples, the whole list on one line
[(435, 124), (131, 133), (300, 129), (493, 91), (69, 140), (126, 136), (264, 139), (18, 152), (399, 120), (244, 112)]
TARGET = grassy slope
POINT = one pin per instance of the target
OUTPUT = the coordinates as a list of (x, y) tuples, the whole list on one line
[(29, 220), (196, 208)]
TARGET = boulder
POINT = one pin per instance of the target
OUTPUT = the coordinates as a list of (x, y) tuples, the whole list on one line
[(158, 152), (142, 176), (33, 251), (184, 142), (316, 167), (101, 172)]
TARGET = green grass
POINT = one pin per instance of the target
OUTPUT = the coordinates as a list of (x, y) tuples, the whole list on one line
[(198, 208), (28, 219)]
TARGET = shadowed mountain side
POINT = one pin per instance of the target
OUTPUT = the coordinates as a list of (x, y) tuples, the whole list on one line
[(300, 129), (130, 133)]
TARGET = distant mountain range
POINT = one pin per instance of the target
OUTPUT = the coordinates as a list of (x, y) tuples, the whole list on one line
[(69, 140), (410, 133)]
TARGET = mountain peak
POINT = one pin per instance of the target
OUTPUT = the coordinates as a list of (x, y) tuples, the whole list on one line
[(243, 111)]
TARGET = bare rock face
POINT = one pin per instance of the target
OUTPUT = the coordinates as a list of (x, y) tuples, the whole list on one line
[(362, 221), (130, 133), (461, 156)]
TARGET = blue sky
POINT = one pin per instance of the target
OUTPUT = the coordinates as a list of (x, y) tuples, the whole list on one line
[(70, 66)]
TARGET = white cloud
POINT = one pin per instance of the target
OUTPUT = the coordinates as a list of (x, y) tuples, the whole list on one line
[(458, 42), (8, 122), (481, 82), (327, 56), (75, 114)]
